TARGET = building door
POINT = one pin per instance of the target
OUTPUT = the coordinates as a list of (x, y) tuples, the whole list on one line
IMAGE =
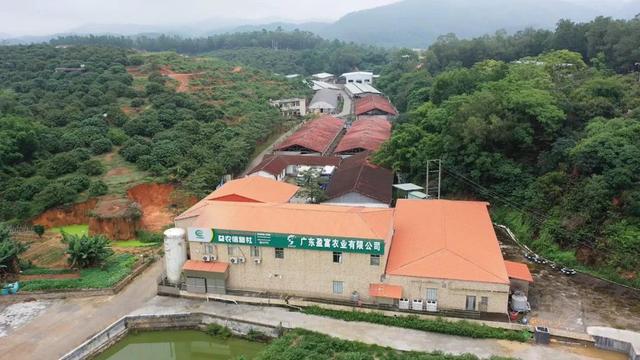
[(196, 285), (471, 303), (484, 304), (216, 286)]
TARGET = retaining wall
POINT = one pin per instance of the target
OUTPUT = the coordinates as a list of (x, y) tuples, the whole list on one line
[(120, 328), (610, 344)]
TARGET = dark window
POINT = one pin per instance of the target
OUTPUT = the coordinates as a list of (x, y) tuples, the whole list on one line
[(375, 260), (255, 251), (337, 257), (279, 253)]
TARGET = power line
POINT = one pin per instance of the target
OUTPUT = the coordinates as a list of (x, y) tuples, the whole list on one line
[(538, 218)]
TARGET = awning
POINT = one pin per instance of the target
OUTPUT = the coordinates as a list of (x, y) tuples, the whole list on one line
[(385, 291), (213, 266), (518, 271)]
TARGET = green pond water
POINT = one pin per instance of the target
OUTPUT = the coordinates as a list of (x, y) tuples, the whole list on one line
[(179, 345)]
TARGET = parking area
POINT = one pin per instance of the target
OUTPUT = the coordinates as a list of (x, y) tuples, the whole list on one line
[(575, 302)]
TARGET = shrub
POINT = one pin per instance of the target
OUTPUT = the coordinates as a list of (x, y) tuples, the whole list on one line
[(117, 136), (101, 146), (460, 328), (38, 229), (78, 183), (92, 167), (86, 251), (98, 188), (149, 237), (137, 102), (218, 331), (9, 251)]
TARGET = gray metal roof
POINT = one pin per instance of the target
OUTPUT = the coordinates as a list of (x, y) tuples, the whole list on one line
[(408, 187), (357, 89), (324, 99)]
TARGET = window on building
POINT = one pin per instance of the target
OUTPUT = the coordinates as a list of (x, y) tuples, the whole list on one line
[(279, 253), (471, 303), (231, 250), (374, 260), (208, 249), (484, 303), (338, 287), (255, 251), (432, 294), (337, 257)]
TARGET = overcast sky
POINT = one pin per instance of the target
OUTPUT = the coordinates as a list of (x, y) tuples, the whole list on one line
[(39, 17)]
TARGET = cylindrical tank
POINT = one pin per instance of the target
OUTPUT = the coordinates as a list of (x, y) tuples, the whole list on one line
[(175, 253), (519, 302)]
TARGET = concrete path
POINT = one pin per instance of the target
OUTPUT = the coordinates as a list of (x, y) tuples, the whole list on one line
[(346, 106), (64, 324), (258, 159), (403, 339)]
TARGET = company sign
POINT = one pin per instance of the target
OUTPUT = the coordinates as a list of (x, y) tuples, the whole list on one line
[(297, 241), (200, 235)]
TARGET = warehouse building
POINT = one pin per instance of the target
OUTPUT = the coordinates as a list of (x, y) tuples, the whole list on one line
[(280, 167), (355, 90), (423, 255), (366, 133), (358, 182), (313, 138), (374, 105), (325, 101)]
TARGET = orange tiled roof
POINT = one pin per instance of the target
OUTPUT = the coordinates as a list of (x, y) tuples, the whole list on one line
[(342, 221), (374, 102), (213, 266), (385, 291), (445, 240), (248, 189), (518, 271)]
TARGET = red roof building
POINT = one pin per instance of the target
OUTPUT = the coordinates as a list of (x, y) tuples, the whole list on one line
[(279, 166), (316, 136), (358, 182), (375, 105), (367, 133)]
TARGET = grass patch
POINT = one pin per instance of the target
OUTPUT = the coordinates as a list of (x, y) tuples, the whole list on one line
[(45, 271), (218, 331), (78, 230), (304, 344), (459, 328), (116, 268), (132, 244)]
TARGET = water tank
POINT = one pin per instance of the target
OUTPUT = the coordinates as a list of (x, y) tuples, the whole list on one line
[(519, 302), (175, 253)]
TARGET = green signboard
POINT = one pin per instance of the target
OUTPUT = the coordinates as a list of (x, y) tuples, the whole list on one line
[(303, 242)]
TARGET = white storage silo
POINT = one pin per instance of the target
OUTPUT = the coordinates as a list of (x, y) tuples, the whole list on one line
[(175, 253)]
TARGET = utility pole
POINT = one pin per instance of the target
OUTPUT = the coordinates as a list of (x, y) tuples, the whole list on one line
[(432, 170)]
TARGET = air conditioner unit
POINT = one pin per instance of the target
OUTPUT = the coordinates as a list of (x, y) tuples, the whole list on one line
[(241, 259), (403, 304), (233, 260), (206, 258), (257, 261), (432, 305), (213, 257)]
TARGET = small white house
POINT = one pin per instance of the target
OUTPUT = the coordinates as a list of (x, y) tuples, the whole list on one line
[(291, 107)]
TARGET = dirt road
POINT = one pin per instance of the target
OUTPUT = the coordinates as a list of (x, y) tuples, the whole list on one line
[(575, 302), (54, 327)]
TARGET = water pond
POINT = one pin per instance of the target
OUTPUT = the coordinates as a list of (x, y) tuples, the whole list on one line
[(179, 345)]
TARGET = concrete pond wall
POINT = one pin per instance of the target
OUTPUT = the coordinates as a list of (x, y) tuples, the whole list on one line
[(120, 328)]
